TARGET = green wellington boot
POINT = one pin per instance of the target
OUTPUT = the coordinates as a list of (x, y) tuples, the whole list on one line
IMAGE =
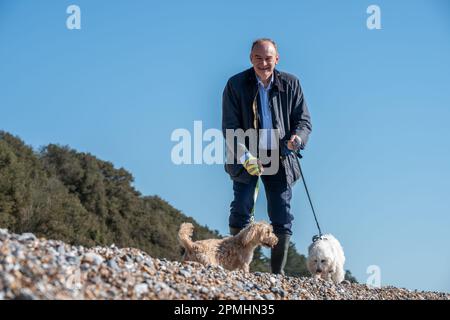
[(279, 254), (234, 231)]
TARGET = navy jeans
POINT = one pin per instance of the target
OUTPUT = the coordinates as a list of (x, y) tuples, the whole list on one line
[(278, 194)]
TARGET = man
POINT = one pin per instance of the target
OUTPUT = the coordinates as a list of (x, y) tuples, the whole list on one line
[(272, 103)]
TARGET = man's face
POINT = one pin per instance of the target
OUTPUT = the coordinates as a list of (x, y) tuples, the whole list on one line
[(264, 57)]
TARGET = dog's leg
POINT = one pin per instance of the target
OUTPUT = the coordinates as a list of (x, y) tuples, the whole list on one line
[(246, 268), (339, 275), (205, 259), (317, 277)]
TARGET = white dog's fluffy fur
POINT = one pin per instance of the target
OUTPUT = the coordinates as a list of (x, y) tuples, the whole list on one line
[(326, 259)]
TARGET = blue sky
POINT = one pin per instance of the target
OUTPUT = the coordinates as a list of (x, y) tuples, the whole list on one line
[(378, 160)]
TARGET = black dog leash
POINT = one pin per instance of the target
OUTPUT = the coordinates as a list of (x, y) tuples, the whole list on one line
[(316, 237)]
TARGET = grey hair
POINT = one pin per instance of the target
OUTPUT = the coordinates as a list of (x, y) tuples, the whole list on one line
[(261, 40)]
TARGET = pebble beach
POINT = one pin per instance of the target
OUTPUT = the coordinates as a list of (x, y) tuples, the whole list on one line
[(37, 268)]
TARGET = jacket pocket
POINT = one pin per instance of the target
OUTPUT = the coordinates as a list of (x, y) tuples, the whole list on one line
[(295, 167), (238, 173), (234, 169)]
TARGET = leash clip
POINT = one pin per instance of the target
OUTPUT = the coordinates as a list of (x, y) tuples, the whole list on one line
[(318, 237)]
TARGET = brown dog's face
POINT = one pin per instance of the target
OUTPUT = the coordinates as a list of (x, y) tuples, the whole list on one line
[(266, 236)]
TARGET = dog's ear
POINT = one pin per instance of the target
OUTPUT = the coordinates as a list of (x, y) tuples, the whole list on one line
[(248, 234)]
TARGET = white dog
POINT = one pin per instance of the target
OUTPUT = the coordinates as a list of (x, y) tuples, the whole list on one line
[(326, 259)]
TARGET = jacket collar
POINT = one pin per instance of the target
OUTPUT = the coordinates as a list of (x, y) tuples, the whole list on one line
[(251, 78)]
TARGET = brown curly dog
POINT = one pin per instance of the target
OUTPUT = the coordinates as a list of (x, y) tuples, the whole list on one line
[(231, 253)]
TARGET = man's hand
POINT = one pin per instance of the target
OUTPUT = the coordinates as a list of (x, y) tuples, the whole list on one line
[(294, 143), (253, 166)]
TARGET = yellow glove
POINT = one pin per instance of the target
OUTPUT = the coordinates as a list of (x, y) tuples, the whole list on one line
[(253, 166)]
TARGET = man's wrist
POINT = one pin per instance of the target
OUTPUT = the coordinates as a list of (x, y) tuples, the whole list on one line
[(246, 156), (297, 142)]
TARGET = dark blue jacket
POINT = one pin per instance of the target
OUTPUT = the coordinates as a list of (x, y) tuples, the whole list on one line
[(289, 114)]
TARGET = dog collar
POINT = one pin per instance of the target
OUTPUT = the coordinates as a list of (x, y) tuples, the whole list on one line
[(318, 237)]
